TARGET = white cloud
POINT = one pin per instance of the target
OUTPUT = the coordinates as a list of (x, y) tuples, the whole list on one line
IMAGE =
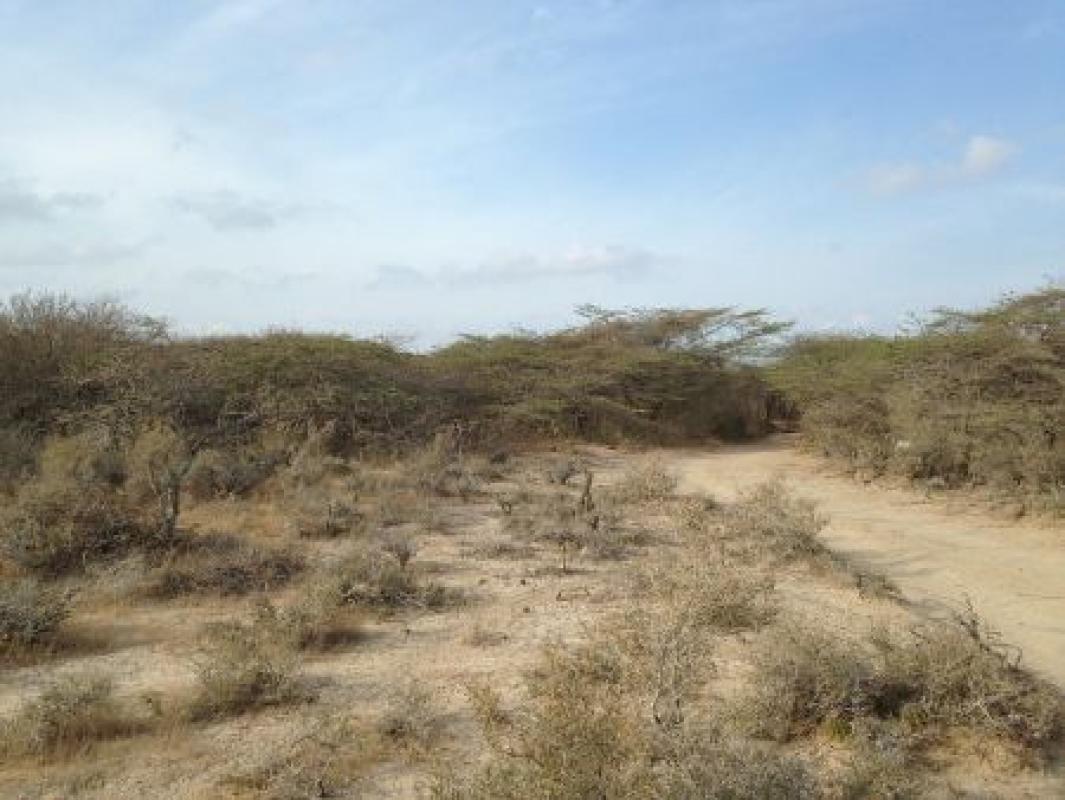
[(886, 179), (229, 211), (65, 254), (578, 261), (20, 203), (983, 155)]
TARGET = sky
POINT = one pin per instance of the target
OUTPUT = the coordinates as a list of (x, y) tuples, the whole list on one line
[(425, 168)]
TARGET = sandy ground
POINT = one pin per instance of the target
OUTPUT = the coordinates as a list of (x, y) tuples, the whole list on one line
[(938, 552)]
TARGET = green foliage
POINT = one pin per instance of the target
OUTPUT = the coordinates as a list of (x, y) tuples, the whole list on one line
[(966, 398), (652, 374)]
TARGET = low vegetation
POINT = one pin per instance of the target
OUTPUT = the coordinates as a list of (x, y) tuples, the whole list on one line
[(389, 573), (217, 564), (244, 666), (68, 717), (30, 615)]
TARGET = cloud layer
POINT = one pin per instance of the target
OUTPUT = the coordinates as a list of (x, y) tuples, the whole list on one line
[(982, 156), (427, 166)]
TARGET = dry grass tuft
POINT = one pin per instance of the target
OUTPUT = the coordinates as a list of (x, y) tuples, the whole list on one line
[(649, 482), (326, 760), (319, 516), (412, 718), (68, 717)]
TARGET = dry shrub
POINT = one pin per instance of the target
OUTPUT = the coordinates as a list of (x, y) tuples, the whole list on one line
[(219, 564), (400, 546), (770, 521), (18, 455), (697, 515), (393, 505), (68, 717), (645, 483), (803, 678), (583, 734), (412, 717), (326, 760), (56, 526), (500, 549), (723, 597), (224, 473), (942, 676), (562, 469), (90, 457), (440, 468), (313, 462), (592, 524), (30, 615), (243, 666), (880, 767), (959, 675), (318, 619), (319, 516), (374, 577), (717, 769), (91, 502), (577, 739), (480, 636)]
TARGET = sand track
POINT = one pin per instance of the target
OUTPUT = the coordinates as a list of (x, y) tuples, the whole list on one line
[(938, 552)]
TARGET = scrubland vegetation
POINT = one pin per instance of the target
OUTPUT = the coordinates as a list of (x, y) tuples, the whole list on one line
[(301, 566), (964, 399)]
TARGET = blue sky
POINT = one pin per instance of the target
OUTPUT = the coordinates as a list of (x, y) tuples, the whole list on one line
[(426, 168)]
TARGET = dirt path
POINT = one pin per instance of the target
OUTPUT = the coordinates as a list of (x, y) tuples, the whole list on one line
[(938, 554)]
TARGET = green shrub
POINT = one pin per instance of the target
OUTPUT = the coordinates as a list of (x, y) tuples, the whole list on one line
[(963, 399)]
